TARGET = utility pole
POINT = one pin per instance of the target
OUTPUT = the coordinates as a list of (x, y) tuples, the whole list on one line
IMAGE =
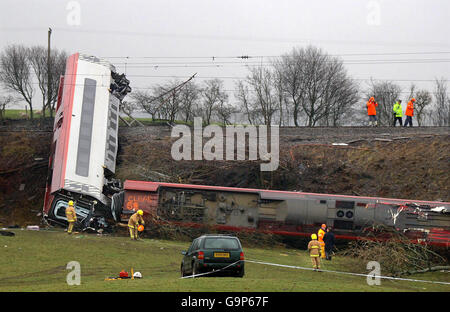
[(49, 75)]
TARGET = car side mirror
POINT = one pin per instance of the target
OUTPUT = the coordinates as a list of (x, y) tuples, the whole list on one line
[(183, 252)]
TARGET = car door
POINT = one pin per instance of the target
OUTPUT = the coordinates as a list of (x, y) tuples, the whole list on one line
[(195, 249), (187, 262)]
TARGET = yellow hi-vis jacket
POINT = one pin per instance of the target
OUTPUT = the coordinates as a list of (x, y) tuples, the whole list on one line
[(135, 220), (398, 109), (314, 248), (70, 214)]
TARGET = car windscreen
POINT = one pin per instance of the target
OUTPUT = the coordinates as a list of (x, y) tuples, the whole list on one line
[(221, 243)]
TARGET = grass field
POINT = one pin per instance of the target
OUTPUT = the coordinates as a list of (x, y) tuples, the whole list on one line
[(15, 113), (36, 261)]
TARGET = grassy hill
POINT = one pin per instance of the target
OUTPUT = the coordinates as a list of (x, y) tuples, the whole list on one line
[(36, 261)]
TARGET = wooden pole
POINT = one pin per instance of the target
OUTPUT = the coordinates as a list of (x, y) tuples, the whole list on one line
[(48, 75)]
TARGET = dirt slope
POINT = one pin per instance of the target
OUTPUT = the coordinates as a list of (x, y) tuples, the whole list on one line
[(399, 163)]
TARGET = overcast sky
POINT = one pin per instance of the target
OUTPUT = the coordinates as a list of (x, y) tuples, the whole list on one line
[(230, 28)]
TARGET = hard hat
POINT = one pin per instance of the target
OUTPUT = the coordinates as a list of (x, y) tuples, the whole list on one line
[(137, 275), (140, 228), (70, 203), (324, 225), (140, 212), (413, 100), (313, 236), (372, 99)]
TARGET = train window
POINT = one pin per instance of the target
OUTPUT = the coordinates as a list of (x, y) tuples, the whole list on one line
[(345, 204), (112, 148), (361, 204), (86, 125), (323, 201)]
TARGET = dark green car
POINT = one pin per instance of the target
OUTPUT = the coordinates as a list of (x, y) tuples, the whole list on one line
[(220, 254)]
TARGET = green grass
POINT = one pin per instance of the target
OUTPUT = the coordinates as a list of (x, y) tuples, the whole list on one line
[(36, 261), (15, 113)]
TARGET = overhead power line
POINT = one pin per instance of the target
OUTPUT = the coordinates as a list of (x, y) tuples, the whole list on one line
[(268, 56), (191, 77)]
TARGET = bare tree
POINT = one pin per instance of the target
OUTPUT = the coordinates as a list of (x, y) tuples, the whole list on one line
[(37, 57), (282, 103), (263, 94), (4, 102), (242, 95), (291, 70), (145, 100), (170, 103), (224, 111), (317, 85), (423, 100), (340, 108), (15, 73), (213, 96), (189, 97), (386, 93), (441, 110)]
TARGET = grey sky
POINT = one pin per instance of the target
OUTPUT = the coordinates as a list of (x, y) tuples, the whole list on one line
[(162, 28)]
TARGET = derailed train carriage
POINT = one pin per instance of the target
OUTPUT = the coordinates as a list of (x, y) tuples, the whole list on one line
[(82, 166), (84, 148)]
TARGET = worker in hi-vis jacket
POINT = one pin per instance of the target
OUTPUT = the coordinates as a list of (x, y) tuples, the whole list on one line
[(320, 236), (134, 222), (314, 252), (71, 217)]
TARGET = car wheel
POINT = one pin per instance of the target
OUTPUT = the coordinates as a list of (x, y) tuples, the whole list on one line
[(241, 273)]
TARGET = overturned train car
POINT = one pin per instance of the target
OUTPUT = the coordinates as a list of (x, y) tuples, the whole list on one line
[(84, 148), (82, 165), (285, 213)]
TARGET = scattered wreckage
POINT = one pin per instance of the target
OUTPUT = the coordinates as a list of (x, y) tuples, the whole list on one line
[(82, 166)]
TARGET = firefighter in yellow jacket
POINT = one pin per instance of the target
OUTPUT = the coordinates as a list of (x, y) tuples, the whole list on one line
[(71, 217), (320, 235), (134, 222), (314, 252)]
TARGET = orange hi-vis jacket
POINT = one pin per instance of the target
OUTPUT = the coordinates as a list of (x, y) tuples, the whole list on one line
[(314, 248), (70, 214), (371, 110), (135, 220), (410, 109)]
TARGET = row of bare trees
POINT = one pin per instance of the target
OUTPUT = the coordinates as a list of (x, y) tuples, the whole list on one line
[(21, 66), (305, 87), (208, 100)]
